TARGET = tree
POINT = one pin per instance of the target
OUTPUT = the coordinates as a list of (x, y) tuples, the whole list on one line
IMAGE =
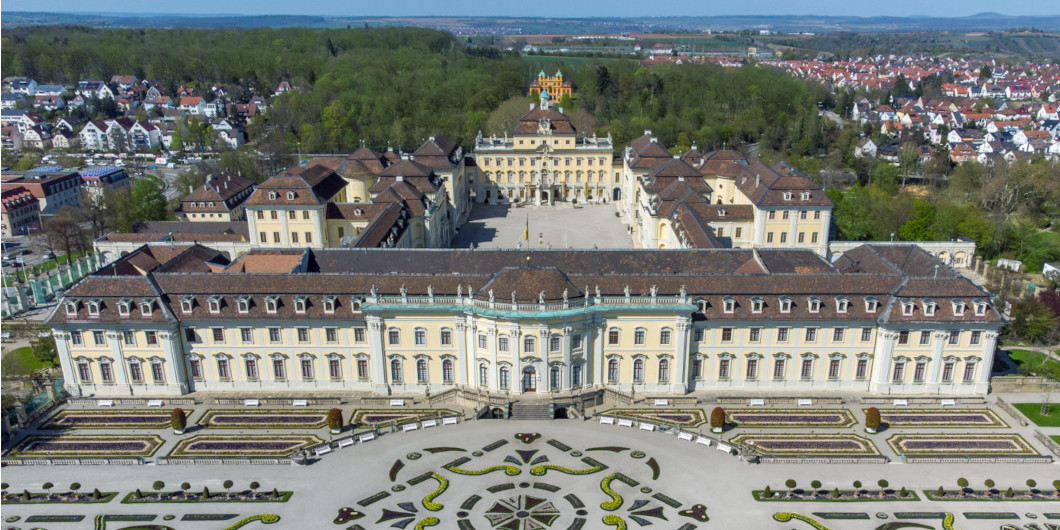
[(989, 484), (505, 118), (941, 492), (963, 484), (228, 487), (178, 419), (883, 486), (1032, 321), (917, 228), (908, 154), (816, 485), (985, 72), (64, 229), (254, 486), (717, 418), (44, 347), (184, 487), (335, 419), (157, 486), (885, 178), (96, 495), (205, 493), (790, 484), (74, 487), (767, 493), (1056, 487), (47, 486), (872, 418), (150, 201), (835, 493), (93, 211), (857, 488), (1031, 483)]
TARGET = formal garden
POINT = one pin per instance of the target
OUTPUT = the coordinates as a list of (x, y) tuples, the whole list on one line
[(185, 494), (684, 418), (110, 419), (962, 418), (790, 418), (264, 419), (789, 444), (73, 494), (96, 445), (390, 417), (969, 445), (225, 445), (819, 492)]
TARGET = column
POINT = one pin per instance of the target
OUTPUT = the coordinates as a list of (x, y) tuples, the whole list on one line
[(565, 371), (598, 351), (66, 362), (494, 369), (932, 385), (982, 383), (461, 352), (120, 369), (881, 367), (174, 361), (679, 377), (375, 351), (545, 382), (515, 384)]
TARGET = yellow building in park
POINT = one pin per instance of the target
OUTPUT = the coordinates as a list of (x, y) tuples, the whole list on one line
[(878, 320), (554, 87)]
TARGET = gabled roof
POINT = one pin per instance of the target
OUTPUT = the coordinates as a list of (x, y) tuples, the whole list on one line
[(315, 185)]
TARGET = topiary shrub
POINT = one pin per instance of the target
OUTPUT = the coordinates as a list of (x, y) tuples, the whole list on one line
[(275, 495), (138, 494), (904, 492), (1009, 493), (335, 420), (816, 485), (1031, 483), (205, 493), (767, 493), (96, 495), (872, 419), (989, 483), (883, 486), (178, 420), (717, 419), (26, 496), (835, 493), (963, 483), (857, 488), (941, 492)]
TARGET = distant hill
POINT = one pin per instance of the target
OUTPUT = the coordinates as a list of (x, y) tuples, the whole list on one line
[(532, 25)]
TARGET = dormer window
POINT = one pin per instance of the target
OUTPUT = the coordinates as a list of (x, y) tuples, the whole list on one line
[(871, 304), (71, 308), (729, 304), (721, 212), (756, 304), (805, 195), (271, 303), (123, 307), (243, 304), (215, 304), (93, 306), (329, 304), (299, 305), (272, 195), (358, 212), (841, 305), (290, 195), (702, 305), (787, 195), (147, 307), (186, 304), (980, 308), (907, 307), (785, 304), (355, 305), (958, 307), (814, 304), (929, 307)]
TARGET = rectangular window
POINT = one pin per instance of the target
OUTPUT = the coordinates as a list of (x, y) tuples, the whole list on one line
[(772, 214), (502, 344), (612, 337), (947, 372), (84, 372), (839, 334), (106, 373), (305, 214), (273, 214), (778, 369), (75, 338), (274, 335), (554, 344), (331, 335), (222, 369), (721, 232), (483, 342), (421, 337), (899, 373), (697, 369), (261, 214), (752, 368), (358, 335), (638, 337), (866, 334), (833, 369), (754, 334), (955, 338), (308, 237), (275, 237), (263, 237), (246, 335), (811, 334), (278, 371), (196, 369), (394, 337), (189, 335), (813, 237), (252, 369), (698, 335), (969, 373), (977, 337), (807, 369), (739, 232), (802, 236), (783, 237), (99, 338), (723, 368), (785, 215), (918, 372), (152, 338), (769, 237), (664, 337), (157, 374), (446, 337), (925, 338), (817, 214), (294, 237), (726, 334), (218, 335), (334, 369), (802, 215), (136, 373), (362, 369), (862, 368), (303, 335), (576, 341), (129, 338), (782, 334), (903, 337), (292, 215), (638, 372), (307, 369)]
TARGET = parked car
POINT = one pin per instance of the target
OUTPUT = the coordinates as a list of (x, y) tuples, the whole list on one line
[(49, 255)]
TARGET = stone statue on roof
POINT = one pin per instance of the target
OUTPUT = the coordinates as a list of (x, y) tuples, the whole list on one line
[(626, 290), (654, 291), (430, 290), (514, 298), (403, 290), (374, 291), (459, 290), (541, 297), (491, 295), (564, 295)]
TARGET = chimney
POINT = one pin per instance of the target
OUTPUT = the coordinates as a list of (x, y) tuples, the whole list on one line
[(531, 106), (400, 178), (190, 189), (431, 138), (758, 179), (677, 157), (647, 132), (561, 110)]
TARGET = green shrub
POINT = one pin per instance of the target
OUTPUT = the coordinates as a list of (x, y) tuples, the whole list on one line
[(335, 419), (178, 419), (1009, 493), (717, 418), (872, 418), (835, 493), (942, 491), (96, 495), (767, 493)]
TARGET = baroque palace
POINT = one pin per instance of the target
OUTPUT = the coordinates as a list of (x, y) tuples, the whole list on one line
[(338, 280)]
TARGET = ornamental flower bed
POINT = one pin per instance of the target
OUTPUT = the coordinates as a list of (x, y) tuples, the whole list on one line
[(80, 446), (1000, 494), (264, 419), (384, 417), (110, 419), (61, 498), (791, 418), (941, 418), (215, 445), (198, 496), (828, 495), (961, 445), (808, 444), (685, 418)]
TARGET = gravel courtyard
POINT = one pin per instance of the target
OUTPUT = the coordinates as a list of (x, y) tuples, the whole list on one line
[(561, 226)]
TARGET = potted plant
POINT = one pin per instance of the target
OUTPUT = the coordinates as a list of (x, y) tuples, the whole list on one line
[(872, 420), (178, 420), (717, 420), (335, 421)]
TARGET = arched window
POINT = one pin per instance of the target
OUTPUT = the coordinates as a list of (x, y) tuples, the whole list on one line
[(483, 375), (553, 378), (447, 371), (505, 378), (664, 371), (421, 371), (612, 371), (638, 371), (395, 371), (528, 344)]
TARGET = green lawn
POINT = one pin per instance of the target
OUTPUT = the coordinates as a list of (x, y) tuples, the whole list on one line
[(1031, 411), (1031, 359), (22, 362), (1056, 439)]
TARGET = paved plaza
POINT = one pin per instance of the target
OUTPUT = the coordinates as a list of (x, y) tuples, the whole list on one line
[(561, 226), (482, 474)]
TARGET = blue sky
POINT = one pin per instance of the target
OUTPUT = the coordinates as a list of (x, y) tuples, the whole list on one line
[(554, 8)]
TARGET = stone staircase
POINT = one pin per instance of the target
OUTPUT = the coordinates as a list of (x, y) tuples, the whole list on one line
[(531, 410)]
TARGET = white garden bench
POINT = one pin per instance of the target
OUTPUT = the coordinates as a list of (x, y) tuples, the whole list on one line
[(397, 402), (703, 441), (451, 420), (948, 403), (662, 402), (647, 427), (622, 422), (366, 437), (300, 403), (685, 436), (430, 423), (725, 448), (106, 403), (323, 450), (758, 402), (346, 442), (805, 402), (251, 403), (409, 427), (607, 420), (154, 403), (901, 402)]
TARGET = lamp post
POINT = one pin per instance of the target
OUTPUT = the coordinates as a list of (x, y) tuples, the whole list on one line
[(892, 237)]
